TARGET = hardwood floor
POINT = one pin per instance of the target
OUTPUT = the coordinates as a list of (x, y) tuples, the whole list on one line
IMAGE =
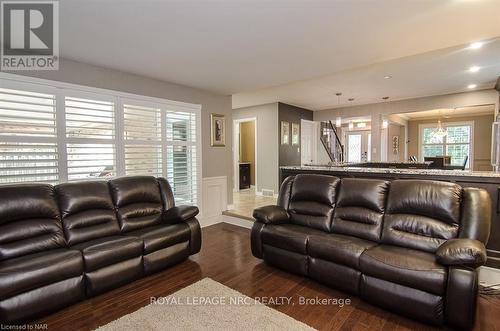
[(226, 258)]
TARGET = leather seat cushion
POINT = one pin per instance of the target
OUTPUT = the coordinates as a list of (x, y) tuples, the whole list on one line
[(33, 271), (162, 236), (405, 266), (289, 237), (106, 251), (338, 248)]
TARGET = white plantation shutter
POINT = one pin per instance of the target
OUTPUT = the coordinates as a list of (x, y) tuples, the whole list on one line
[(181, 135), (90, 138), (142, 140), (55, 132), (28, 137)]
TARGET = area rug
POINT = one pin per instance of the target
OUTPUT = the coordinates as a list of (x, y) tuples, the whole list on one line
[(205, 305)]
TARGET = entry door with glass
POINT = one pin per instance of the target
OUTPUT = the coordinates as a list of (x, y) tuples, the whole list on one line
[(358, 146)]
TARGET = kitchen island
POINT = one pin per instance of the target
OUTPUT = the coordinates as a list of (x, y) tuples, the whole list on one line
[(487, 180)]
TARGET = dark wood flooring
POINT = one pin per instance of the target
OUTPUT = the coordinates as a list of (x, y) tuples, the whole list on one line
[(226, 258)]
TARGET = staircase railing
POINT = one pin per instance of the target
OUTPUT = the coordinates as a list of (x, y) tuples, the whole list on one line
[(331, 142)]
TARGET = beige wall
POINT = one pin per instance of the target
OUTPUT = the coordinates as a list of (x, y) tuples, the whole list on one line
[(482, 138), (247, 146), (267, 143), (217, 161), (378, 110)]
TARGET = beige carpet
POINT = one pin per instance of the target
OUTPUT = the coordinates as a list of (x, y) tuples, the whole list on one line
[(205, 305)]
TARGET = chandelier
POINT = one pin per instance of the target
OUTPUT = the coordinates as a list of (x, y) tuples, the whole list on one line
[(440, 131)]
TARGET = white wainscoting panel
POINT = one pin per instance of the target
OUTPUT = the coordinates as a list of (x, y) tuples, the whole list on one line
[(214, 199)]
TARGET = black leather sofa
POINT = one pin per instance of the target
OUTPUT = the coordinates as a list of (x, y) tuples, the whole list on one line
[(61, 244), (410, 246)]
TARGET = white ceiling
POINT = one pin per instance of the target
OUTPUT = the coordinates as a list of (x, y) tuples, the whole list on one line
[(235, 46), (449, 113)]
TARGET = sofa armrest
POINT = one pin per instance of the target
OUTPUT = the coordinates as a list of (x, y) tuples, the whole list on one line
[(271, 215), (180, 214), (462, 252)]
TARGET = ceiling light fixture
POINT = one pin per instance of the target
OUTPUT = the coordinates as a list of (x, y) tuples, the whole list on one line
[(476, 45), (388, 77), (471, 86), (385, 123), (338, 122), (474, 69)]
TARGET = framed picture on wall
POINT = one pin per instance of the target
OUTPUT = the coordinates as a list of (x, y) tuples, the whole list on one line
[(285, 133), (217, 130), (395, 145), (295, 134)]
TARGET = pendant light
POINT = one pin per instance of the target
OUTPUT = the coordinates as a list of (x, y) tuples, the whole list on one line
[(385, 122), (440, 131), (338, 120)]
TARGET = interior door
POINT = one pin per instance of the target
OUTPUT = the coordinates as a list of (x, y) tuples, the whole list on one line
[(308, 142), (358, 146)]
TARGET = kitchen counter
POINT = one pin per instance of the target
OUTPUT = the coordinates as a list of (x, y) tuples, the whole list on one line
[(421, 172)]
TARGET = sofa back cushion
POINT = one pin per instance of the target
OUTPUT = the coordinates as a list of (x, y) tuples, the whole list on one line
[(312, 200), (87, 211), (137, 200), (360, 208), (29, 220), (421, 214)]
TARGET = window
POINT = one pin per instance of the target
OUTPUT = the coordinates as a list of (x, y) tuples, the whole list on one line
[(90, 136), (55, 132), (143, 141), (181, 155), (28, 143), (456, 143)]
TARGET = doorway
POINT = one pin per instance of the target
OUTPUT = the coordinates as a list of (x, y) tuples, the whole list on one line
[(308, 142), (245, 154), (358, 146)]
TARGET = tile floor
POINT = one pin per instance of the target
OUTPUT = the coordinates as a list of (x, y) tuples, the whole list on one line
[(245, 201)]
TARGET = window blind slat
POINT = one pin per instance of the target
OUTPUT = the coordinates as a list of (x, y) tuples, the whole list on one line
[(142, 134)]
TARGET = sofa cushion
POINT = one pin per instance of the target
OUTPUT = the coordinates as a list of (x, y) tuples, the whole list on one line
[(290, 237), (162, 236), (106, 251), (29, 220), (360, 208), (87, 211), (405, 266), (421, 214), (138, 202), (312, 201), (338, 248), (22, 274)]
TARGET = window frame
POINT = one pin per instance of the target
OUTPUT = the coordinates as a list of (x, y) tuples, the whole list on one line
[(421, 144), (61, 90)]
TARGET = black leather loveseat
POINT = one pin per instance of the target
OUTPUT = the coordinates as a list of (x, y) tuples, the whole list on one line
[(61, 244), (410, 246)]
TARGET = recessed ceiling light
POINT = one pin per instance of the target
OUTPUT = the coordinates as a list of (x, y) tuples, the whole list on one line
[(388, 77), (471, 86), (476, 45), (474, 69)]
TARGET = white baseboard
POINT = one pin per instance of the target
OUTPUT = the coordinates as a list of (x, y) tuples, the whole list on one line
[(489, 276)]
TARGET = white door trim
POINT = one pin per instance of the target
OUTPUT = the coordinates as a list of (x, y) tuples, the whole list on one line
[(236, 151)]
